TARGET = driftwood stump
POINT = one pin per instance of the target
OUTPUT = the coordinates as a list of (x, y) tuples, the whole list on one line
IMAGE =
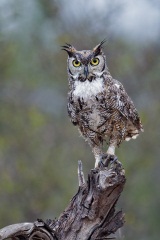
[(90, 215)]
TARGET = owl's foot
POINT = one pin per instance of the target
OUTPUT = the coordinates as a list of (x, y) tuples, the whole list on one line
[(107, 159)]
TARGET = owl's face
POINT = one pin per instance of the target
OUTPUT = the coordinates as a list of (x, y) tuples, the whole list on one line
[(85, 65)]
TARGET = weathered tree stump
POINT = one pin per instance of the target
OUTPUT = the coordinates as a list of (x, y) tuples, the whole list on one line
[(90, 215)]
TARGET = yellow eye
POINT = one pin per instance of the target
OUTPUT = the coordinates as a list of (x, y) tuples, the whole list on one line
[(76, 63), (94, 61)]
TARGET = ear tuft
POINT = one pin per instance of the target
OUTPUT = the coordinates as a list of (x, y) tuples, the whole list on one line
[(69, 49), (98, 49)]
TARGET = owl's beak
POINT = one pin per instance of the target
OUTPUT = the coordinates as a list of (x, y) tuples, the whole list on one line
[(86, 72)]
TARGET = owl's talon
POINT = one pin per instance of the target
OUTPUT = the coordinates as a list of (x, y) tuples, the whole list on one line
[(101, 164), (108, 159), (115, 163), (104, 156), (105, 160), (113, 159)]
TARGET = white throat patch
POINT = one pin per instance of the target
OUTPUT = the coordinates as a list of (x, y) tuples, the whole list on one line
[(88, 89)]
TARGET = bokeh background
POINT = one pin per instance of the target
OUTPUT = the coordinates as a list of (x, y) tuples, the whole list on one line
[(39, 147)]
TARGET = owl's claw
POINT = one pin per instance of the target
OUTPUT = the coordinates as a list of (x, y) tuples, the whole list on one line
[(101, 164), (113, 159), (115, 163), (107, 159)]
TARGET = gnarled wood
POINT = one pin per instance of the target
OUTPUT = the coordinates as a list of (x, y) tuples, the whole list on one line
[(90, 215)]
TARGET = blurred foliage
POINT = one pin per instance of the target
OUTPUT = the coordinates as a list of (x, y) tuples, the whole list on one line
[(39, 147)]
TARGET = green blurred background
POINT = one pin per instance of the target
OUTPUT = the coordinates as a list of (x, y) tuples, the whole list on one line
[(39, 147)]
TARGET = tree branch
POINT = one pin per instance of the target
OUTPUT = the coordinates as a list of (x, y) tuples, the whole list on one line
[(81, 179), (90, 215)]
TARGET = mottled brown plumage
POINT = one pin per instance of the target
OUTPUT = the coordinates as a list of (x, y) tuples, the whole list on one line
[(97, 103)]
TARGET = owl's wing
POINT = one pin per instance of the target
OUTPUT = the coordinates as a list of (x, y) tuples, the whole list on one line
[(119, 100), (71, 107)]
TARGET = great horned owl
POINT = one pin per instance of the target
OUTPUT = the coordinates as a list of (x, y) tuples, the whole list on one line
[(97, 103)]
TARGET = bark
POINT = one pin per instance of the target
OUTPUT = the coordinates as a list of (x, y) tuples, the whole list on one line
[(90, 215)]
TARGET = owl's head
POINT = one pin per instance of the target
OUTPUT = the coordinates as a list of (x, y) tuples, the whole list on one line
[(85, 65)]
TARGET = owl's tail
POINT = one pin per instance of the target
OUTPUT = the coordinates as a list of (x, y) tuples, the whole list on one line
[(133, 133)]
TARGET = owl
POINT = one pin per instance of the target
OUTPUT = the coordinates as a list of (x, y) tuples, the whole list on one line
[(98, 104)]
